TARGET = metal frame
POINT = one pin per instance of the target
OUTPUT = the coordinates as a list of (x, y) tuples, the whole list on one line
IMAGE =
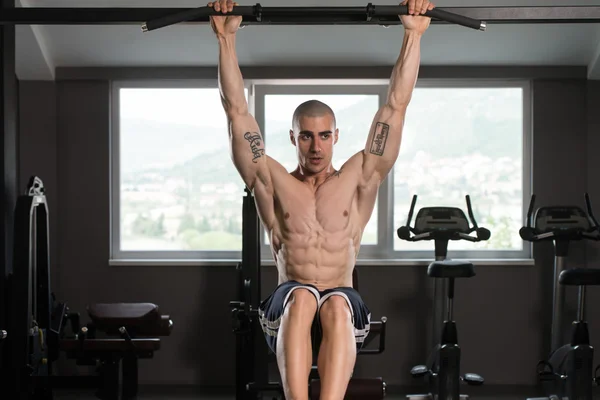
[(9, 111), (371, 14), (30, 298), (137, 16)]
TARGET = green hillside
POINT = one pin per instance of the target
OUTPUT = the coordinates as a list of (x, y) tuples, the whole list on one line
[(206, 156)]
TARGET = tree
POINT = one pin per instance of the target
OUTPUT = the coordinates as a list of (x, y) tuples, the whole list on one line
[(187, 222), (204, 225)]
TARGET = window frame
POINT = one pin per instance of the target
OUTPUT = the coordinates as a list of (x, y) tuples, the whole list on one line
[(527, 161), (382, 253), (117, 255)]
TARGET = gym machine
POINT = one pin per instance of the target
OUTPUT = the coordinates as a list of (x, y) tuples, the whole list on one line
[(251, 350), (568, 372), (442, 224), (252, 353), (118, 336), (3, 335), (32, 345), (37, 322)]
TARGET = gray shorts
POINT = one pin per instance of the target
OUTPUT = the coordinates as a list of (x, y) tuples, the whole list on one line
[(271, 310)]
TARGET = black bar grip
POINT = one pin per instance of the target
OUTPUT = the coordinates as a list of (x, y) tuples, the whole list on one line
[(590, 211), (530, 210), (403, 233), (411, 211), (457, 19), (527, 233), (470, 211), (195, 13), (483, 234), (435, 13)]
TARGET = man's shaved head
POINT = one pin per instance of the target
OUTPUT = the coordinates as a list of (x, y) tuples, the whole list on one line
[(312, 108), (314, 134)]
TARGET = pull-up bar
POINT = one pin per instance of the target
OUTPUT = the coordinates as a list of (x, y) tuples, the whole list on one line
[(312, 16), (358, 15)]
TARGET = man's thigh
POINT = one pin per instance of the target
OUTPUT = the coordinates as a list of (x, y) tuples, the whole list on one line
[(271, 309), (361, 315)]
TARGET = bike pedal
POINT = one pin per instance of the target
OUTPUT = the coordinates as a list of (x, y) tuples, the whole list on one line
[(473, 379), (419, 371)]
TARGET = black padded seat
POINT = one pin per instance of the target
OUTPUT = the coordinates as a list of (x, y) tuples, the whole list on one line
[(579, 277), (451, 269)]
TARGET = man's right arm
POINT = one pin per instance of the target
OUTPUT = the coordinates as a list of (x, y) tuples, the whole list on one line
[(247, 145)]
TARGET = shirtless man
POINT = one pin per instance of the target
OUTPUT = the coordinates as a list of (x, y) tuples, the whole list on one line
[(315, 215)]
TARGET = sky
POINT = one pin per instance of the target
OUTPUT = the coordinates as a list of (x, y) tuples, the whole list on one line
[(195, 106)]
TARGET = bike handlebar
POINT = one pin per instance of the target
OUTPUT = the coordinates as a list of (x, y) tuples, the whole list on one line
[(528, 233), (404, 232)]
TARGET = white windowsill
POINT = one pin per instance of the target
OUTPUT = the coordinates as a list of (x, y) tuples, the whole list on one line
[(270, 263)]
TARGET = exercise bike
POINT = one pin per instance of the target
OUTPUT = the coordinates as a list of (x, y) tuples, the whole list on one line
[(442, 224), (568, 373)]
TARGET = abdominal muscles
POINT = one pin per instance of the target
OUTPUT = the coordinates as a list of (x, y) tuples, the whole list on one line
[(317, 251)]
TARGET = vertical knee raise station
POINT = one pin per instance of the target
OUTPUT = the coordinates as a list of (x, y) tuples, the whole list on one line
[(442, 224), (568, 373), (252, 353), (37, 323), (32, 346)]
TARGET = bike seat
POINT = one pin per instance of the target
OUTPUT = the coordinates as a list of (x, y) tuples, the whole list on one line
[(580, 276), (451, 269)]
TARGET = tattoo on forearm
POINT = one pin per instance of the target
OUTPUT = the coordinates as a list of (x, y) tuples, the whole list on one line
[(256, 145), (379, 138)]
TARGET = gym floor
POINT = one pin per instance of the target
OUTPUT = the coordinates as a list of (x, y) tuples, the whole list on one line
[(182, 393)]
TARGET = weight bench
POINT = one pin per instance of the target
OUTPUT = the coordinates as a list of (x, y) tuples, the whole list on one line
[(358, 388), (137, 326)]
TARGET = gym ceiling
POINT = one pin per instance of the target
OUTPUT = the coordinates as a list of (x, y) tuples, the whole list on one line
[(43, 48)]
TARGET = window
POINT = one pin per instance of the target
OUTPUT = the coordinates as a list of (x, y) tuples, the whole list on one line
[(463, 140), (354, 113), (177, 195), (176, 191)]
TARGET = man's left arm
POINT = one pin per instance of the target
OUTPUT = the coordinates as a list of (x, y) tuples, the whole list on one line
[(383, 143)]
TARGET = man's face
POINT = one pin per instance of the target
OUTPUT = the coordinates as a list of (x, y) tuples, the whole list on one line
[(314, 138)]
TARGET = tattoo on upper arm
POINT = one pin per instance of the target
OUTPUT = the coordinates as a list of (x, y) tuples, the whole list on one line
[(379, 138), (257, 146)]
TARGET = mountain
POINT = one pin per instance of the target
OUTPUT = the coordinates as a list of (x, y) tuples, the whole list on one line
[(202, 153)]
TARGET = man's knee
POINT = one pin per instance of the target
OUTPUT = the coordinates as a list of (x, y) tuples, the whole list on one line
[(335, 311), (301, 302)]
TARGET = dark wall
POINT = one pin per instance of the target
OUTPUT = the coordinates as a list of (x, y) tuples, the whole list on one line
[(503, 313), (593, 180), (38, 151)]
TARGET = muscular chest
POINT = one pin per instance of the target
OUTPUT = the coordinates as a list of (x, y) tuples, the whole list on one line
[(329, 209)]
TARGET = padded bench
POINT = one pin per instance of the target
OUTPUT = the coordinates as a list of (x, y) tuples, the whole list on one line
[(138, 327), (580, 277)]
